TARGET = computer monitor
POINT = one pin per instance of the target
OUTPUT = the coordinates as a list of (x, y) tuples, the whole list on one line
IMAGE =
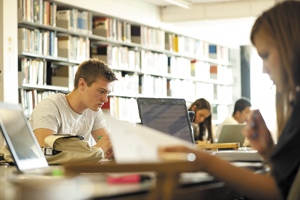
[(166, 115)]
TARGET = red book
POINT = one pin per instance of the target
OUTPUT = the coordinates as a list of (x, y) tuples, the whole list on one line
[(107, 104)]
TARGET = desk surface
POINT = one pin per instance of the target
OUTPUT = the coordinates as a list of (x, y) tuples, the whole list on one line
[(94, 186)]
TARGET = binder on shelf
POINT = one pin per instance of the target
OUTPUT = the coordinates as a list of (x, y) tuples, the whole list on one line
[(214, 72), (169, 41), (73, 48), (64, 76), (176, 43), (102, 52), (64, 19), (136, 34), (101, 27)]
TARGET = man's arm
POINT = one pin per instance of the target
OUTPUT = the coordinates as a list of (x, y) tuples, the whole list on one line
[(104, 142), (41, 134)]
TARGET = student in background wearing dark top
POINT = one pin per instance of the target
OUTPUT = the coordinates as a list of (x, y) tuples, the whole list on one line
[(202, 125), (276, 36)]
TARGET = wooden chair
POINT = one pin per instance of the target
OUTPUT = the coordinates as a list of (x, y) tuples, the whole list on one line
[(218, 146)]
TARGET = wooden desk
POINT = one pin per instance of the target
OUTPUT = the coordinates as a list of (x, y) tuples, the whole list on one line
[(167, 184), (217, 146), (196, 190)]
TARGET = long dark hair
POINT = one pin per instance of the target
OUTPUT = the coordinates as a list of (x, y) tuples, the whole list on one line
[(206, 124)]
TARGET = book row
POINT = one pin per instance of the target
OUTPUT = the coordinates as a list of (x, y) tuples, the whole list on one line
[(117, 57), (122, 108), (119, 107), (49, 44), (30, 98), (39, 11), (47, 13), (33, 72), (37, 41), (127, 109)]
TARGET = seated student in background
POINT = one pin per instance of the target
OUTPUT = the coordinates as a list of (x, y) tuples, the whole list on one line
[(275, 34), (78, 112), (202, 125), (240, 115)]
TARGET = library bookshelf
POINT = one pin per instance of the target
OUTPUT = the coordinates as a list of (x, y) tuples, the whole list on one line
[(149, 62)]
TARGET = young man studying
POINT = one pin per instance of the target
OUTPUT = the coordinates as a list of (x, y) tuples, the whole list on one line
[(240, 114), (78, 112)]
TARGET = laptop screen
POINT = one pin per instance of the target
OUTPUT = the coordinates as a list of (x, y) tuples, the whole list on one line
[(20, 138), (166, 115), (232, 133)]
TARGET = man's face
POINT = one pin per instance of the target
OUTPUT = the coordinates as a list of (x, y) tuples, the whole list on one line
[(97, 94), (243, 116)]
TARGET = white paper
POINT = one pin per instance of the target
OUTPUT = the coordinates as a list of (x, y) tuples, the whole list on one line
[(133, 143)]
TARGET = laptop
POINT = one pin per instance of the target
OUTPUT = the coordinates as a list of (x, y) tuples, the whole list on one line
[(20, 139), (232, 133), (166, 115)]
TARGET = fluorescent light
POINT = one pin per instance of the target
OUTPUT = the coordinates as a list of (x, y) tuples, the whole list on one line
[(181, 3)]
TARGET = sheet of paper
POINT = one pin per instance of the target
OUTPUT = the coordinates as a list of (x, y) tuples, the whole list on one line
[(137, 143)]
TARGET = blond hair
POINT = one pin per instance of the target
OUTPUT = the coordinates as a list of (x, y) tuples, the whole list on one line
[(281, 24)]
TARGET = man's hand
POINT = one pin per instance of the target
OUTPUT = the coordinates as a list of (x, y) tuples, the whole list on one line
[(104, 142)]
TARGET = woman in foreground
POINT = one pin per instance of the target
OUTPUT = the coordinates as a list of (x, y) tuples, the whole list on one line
[(276, 36)]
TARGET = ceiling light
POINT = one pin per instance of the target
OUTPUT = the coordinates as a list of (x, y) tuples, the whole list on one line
[(181, 3)]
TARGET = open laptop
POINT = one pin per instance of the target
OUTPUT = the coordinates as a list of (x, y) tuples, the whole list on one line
[(166, 115), (232, 133), (20, 139)]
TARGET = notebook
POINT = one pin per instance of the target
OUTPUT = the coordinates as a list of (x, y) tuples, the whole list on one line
[(166, 115), (232, 133), (20, 139)]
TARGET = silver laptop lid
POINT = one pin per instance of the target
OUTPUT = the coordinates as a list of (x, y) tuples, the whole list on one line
[(232, 133), (166, 115), (20, 138)]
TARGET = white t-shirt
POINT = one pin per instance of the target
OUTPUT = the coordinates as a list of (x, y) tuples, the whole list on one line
[(228, 120), (54, 113)]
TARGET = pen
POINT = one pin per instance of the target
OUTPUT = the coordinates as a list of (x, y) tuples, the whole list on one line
[(253, 124)]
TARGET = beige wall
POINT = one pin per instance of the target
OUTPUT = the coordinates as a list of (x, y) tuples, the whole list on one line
[(8, 53)]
